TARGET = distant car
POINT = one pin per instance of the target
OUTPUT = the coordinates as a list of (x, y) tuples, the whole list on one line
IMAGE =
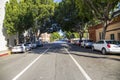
[(20, 48), (107, 46), (75, 42), (29, 44), (45, 42), (34, 45), (86, 43), (69, 41), (39, 43), (80, 41)]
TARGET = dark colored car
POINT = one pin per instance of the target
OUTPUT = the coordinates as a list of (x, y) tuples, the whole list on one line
[(39, 44)]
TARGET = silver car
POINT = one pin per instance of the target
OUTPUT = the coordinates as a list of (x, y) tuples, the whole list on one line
[(20, 48), (107, 46), (86, 43)]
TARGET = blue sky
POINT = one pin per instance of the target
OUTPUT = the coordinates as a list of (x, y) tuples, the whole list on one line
[(57, 0)]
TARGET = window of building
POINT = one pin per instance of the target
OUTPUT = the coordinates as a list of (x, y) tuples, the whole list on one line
[(112, 37)]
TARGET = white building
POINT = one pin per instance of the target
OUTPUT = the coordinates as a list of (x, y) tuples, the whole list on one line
[(5, 40)]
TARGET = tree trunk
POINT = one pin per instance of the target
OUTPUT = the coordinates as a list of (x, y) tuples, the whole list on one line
[(105, 25), (81, 35)]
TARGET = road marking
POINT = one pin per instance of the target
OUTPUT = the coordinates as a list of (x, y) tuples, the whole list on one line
[(79, 66), (17, 76)]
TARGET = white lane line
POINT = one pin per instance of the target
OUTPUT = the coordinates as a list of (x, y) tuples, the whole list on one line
[(79, 66), (17, 76)]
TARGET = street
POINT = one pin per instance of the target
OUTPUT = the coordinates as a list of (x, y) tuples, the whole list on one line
[(60, 61)]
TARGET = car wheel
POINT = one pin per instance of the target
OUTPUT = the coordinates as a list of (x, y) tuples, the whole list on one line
[(104, 51)]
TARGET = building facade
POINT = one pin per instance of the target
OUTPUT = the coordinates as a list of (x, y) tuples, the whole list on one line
[(3, 40), (112, 32)]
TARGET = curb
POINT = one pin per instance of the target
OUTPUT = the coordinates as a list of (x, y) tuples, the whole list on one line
[(5, 53)]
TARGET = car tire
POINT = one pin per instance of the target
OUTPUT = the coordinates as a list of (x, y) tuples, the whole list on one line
[(104, 51)]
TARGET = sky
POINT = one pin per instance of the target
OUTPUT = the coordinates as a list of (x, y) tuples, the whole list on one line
[(57, 0)]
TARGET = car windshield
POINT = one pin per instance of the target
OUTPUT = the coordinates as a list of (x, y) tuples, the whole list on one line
[(113, 42)]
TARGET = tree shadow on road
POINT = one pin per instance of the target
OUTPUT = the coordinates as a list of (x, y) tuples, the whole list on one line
[(74, 50), (97, 57), (87, 52)]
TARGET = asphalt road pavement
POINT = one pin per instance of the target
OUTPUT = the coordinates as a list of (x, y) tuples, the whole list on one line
[(60, 61)]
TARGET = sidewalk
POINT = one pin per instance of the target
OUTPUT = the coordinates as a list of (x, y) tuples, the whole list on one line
[(4, 53)]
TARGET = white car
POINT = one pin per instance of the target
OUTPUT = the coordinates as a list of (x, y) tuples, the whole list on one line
[(29, 44), (19, 48), (107, 46), (86, 43)]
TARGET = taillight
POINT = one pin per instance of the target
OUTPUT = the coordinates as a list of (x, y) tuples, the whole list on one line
[(108, 45)]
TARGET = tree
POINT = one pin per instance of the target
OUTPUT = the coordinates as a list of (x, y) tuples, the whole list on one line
[(11, 16), (26, 14), (44, 10), (103, 10), (55, 36), (72, 15)]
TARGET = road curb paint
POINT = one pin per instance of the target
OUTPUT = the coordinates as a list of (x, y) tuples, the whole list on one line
[(5, 53)]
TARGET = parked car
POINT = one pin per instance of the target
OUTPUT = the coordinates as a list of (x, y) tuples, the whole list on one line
[(20, 48), (39, 43), (107, 46), (69, 41), (86, 43), (29, 44), (80, 41), (34, 45), (75, 42)]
